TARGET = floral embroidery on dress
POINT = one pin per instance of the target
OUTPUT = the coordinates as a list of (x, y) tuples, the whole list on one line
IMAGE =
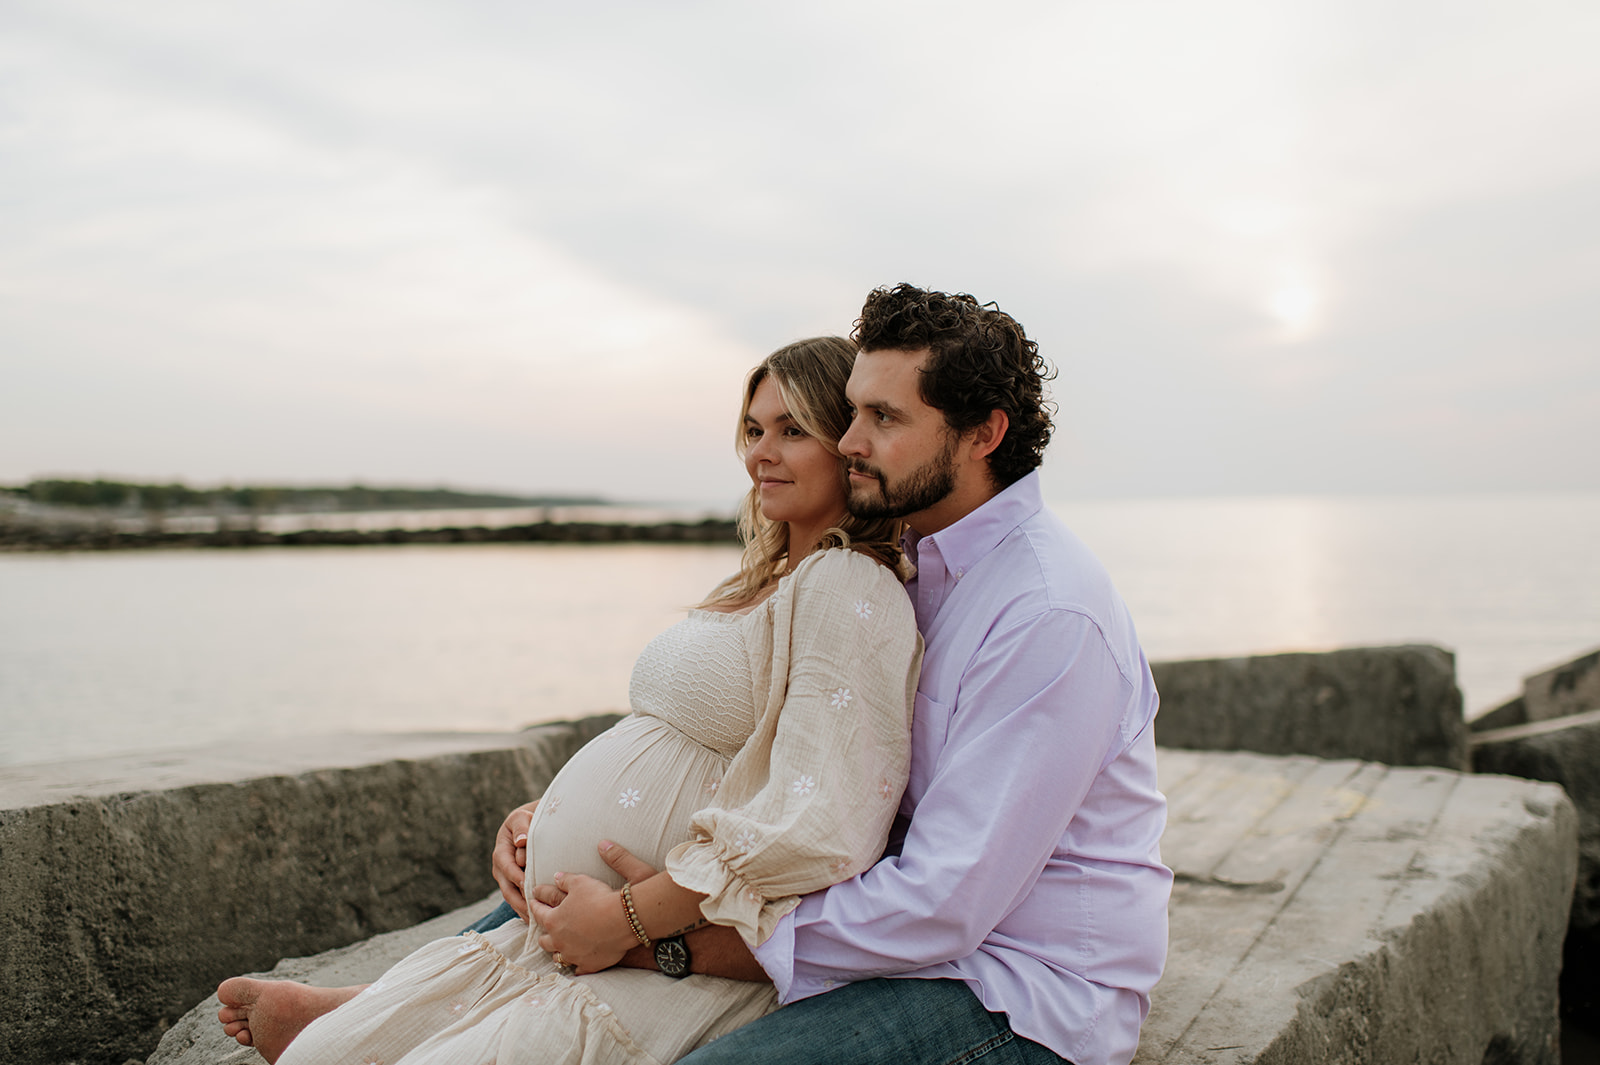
[(884, 788), (553, 805), (457, 1006), (804, 785), (533, 1000), (841, 698), (629, 798), (863, 609), (712, 786), (744, 840), (841, 867)]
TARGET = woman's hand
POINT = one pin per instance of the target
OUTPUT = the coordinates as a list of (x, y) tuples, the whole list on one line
[(511, 856), (582, 919), (589, 929)]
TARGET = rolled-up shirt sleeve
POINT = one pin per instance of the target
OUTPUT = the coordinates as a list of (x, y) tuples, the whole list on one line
[(809, 799), (1043, 708)]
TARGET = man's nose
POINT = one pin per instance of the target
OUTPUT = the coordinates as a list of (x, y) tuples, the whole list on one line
[(851, 443)]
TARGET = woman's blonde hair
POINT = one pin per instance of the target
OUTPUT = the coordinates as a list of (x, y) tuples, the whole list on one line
[(810, 376)]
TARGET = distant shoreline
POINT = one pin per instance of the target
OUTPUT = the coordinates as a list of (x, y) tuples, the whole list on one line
[(26, 537)]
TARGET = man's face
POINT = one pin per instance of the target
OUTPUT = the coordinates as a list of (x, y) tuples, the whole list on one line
[(899, 452)]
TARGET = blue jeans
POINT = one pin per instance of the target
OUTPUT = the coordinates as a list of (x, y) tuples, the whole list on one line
[(928, 1022), (494, 919)]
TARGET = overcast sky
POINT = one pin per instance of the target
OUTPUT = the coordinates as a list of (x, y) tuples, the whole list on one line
[(1273, 247)]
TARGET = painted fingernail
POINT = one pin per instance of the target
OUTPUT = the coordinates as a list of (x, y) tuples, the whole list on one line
[(605, 845), (520, 840)]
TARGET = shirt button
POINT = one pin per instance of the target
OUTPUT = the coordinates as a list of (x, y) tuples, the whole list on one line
[(960, 573)]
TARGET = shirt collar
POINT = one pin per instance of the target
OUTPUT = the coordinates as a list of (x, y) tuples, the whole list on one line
[(964, 543)]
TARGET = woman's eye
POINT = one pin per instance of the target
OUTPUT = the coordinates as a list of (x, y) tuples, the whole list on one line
[(751, 432), (794, 431)]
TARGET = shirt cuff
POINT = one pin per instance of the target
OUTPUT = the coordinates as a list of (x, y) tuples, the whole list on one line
[(776, 956)]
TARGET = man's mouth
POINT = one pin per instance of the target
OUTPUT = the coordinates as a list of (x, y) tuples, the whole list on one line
[(865, 472)]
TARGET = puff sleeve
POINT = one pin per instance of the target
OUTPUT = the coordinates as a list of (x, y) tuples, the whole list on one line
[(808, 801)]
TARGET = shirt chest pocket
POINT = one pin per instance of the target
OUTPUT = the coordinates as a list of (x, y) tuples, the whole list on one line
[(930, 725)]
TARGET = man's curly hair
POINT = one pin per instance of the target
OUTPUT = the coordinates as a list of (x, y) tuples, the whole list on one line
[(980, 360)]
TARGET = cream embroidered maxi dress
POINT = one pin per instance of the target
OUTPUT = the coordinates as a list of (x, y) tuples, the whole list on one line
[(775, 743)]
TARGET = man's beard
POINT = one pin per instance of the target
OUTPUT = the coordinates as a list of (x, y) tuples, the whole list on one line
[(925, 486)]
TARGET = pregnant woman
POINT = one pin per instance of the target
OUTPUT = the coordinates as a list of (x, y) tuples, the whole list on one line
[(763, 758)]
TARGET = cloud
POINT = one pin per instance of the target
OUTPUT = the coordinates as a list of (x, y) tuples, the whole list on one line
[(521, 245)]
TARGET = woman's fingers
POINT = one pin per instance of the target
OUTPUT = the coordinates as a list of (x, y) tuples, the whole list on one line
[(627, 866), (548, 894)]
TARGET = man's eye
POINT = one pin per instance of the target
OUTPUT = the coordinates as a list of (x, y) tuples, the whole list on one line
[(881, 417)]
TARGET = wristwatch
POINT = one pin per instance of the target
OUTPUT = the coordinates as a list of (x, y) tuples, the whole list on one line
[(672, 957)]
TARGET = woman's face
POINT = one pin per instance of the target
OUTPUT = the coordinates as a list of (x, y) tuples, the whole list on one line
[(800, 481)]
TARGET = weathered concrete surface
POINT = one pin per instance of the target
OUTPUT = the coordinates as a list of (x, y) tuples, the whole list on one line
[(1566, 751), (1351, 912), (1396, 705), (130, 886), (1325, 912), (1561, 691), (1570, 688), (1511, 712)]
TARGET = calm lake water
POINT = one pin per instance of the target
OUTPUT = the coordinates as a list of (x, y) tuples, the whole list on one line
[(112, 653)]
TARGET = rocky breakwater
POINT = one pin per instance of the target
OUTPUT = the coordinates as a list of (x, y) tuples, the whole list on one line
[(1552, 732), (1325, 910), (15, 536), (130, 886)]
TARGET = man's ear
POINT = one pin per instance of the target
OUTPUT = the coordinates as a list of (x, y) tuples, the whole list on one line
[(986, 435)]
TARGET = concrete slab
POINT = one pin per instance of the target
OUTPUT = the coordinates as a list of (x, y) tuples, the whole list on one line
[(1324, 911), (1348, 911), (1396, 705), (1570, 688), (1565, 751), (130, 886)]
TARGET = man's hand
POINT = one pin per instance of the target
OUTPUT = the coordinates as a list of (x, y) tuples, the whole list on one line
[(511, 855)]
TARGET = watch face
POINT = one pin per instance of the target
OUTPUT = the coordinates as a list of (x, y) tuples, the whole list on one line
[(672, 957)]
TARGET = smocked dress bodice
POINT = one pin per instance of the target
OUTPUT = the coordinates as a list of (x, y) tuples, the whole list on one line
[(696, 677)]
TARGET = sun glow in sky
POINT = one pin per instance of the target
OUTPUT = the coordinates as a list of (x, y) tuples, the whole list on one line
[(1272, 247), (1294, 304)]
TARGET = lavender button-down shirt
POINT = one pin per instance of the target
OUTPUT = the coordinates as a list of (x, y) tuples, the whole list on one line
[(1025, 857)]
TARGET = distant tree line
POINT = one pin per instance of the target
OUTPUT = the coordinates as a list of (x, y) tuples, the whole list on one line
[(261, 498)]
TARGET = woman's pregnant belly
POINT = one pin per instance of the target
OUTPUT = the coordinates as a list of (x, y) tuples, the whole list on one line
[(636, 784)]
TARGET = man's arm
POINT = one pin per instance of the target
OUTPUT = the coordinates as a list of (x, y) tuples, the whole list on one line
[(715, 950), (1040, 715)]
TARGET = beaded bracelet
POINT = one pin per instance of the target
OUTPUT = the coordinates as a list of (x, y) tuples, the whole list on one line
[(633, 915)]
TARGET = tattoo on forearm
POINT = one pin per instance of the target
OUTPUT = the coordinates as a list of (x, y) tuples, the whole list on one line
[(686, 929)]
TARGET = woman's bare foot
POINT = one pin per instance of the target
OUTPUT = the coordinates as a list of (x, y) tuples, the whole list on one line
[(268, 1014)]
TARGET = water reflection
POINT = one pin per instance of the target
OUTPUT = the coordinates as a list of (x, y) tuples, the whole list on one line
[(102, 653)]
